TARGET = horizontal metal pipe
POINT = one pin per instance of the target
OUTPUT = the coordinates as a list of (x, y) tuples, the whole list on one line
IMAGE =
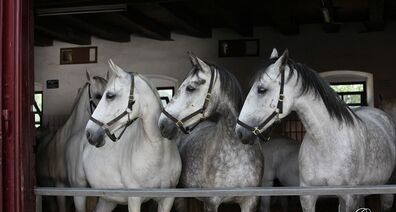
[(197, 192)]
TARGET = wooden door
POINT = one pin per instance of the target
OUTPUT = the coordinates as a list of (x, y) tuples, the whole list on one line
[(17, 128)]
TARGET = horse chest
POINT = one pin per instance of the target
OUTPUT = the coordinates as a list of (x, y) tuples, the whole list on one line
[(327, 166), (219, 167)]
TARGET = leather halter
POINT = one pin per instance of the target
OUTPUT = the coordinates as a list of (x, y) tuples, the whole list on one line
[(106, 126), (180, 122), (258, 130), (91, 101)]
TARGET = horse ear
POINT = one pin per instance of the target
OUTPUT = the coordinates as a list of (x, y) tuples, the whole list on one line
[(193, 58), (274, 53), (107, 75), (116, 69), (282, 61), (87, 75), (202, 65)]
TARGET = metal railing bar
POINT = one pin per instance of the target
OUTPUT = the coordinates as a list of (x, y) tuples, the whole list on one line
[(198, 192)]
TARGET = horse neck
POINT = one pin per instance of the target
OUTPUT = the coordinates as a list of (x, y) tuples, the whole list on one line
[(150, 111), (80, 113), (317, 121), (227, 119)]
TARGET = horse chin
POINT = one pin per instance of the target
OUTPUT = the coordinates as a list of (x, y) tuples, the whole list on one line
[(249, 140), (170, 133), (168, 128), (100, 144), (97, 144)]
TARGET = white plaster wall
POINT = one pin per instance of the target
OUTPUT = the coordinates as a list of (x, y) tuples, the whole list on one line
[(349, 49)]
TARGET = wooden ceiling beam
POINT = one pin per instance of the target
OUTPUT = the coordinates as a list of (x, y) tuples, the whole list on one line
[(235, 22), (135, 21), (280, 11), (62, 33), (98, 29), (376, 15), (190, 24)]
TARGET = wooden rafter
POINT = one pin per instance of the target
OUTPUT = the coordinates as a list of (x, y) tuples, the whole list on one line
[(61, 32), (95, 28)]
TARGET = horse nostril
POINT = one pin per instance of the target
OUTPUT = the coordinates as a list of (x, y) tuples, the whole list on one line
[(88, 134), (162, 126), (239, 134)]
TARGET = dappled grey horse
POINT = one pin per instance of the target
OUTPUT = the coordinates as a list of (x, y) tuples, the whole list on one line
[(50, 161), (127, 149), (212, 155), (341, 146)]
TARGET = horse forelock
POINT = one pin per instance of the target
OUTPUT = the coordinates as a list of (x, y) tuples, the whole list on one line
[(229, 85)]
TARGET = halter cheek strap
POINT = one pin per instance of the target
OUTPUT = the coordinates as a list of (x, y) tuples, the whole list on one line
[(258, 130), (106, 126), (180, 122), (92, 104)]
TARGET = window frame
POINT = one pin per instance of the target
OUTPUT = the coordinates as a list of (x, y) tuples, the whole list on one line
[(363, 94), (40, 113), (166, 88)]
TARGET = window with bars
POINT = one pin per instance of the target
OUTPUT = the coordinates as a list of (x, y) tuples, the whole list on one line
[(352, 93), (38, 108)]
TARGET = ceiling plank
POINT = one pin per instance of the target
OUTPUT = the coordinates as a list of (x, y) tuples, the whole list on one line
[(95, 28), (235, 21), (376, 15), (61, 32), (281, 13), (191, 24), (135, 21)]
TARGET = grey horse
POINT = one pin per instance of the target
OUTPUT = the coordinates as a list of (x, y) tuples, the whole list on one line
[(341, 146), (212, 155)]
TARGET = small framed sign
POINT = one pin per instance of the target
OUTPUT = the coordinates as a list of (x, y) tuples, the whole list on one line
[(51, 84), (239, 48), (79, 55)]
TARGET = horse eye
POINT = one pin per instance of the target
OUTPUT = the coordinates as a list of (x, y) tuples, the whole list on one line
[(190, 88), (261, 90), (98, 96), (110, 96)]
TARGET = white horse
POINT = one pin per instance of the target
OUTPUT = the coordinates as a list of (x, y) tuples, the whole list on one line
[(140, 157), (212, 155), (73, 156), (281, 163), (341, 146), (51, 163)]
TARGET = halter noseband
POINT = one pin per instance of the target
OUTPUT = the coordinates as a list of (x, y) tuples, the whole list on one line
[(106, 126), (180, 122), (258, 130)]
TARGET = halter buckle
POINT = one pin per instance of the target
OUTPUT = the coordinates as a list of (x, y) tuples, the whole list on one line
[(281, 97), (208, 96), (179, 123), (105, 126), (256, 131)]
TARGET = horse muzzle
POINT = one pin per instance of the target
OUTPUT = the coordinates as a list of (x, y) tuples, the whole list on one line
[(244, 135), (167, 127), (95, 137)]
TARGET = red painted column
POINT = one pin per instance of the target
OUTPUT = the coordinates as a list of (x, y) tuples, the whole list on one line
[(16, 99)]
